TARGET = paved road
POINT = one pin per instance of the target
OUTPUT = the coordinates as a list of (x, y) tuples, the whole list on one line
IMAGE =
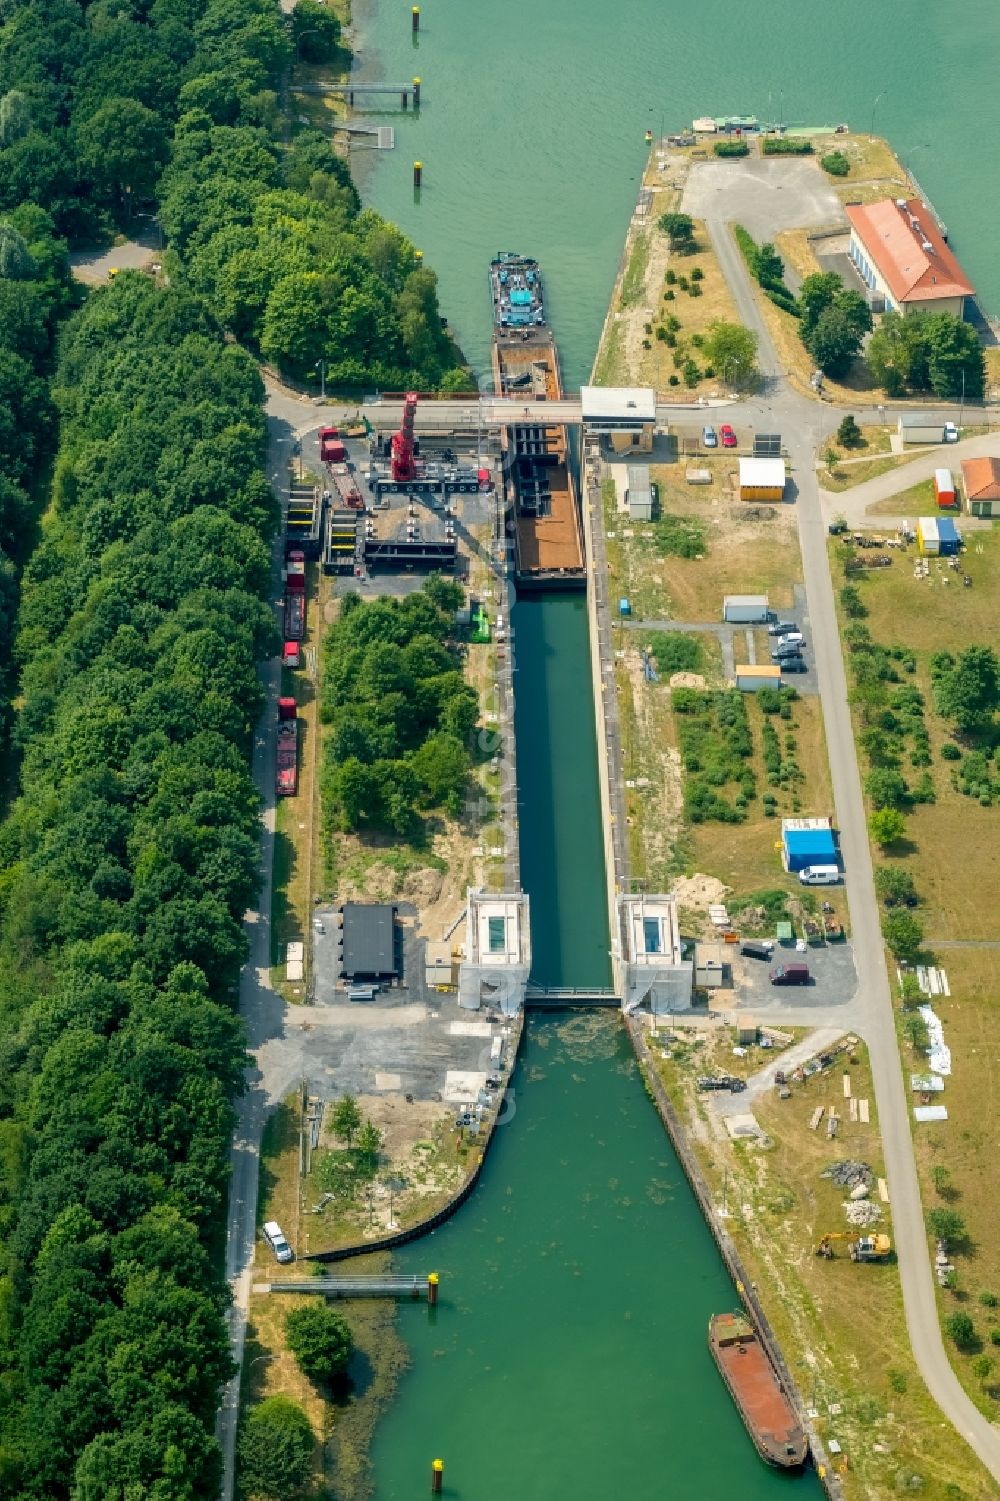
[(261, 1009), (93, 266), (854, 503)]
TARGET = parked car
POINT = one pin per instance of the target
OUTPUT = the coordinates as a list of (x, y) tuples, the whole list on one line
[(757, 948), (781, 627), (950, 433), (709, 438), (793, 664), (275, 1237), (785, 654), (820, 875), (727, 435), (837, 527), (790, 974)]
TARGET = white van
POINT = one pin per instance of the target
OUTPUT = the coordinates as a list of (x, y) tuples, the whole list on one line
[(820, 875)]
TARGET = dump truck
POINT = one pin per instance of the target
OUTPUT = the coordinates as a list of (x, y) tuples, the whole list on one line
[(287, 764), (295, 597)]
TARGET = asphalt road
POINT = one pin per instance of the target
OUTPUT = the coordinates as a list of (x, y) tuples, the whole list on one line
[(801, 423)]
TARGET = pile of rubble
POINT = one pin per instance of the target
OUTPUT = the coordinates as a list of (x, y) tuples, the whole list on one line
[(849, 1174), (862, 1212)]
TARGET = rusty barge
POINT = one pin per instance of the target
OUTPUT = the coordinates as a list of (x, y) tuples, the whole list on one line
[(541, 495), (764, 1406)]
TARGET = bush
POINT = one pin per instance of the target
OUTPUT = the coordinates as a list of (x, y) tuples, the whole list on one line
[(950, 751), (663, 337), (836, 163), (697, 274), (894, 886), (731, 148), (786, 146), (851, 602), (995, 1336), (320, 1340), (673, 381), (887, 826), (961, 1329), (675, 651), (670, 277), (948, 1225), (692, 375), (275, 1449), (988, 1299), (903, 934), (679, 536)]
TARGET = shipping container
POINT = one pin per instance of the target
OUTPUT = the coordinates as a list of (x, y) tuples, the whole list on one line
[(944, 489), (949, 540), (746, 609), (915, 430)]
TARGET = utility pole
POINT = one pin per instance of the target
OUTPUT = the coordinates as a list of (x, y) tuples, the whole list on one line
[(321, 367)]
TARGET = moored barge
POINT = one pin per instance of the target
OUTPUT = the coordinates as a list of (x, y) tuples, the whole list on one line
[(541, 494), (765, 1408)]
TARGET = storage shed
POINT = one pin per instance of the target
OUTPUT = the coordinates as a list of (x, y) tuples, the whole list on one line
[(981, 478), (807, 841), (751, 676), (762, 479), (745, 609), (369, 938), (928, 539), (949, 541), (639, 493), (439, 964), (944, 489)]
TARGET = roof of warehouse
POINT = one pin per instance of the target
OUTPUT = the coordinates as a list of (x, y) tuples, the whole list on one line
[(745, 599), (757, 669), (765, 472), (369, 939), (809, 839), (982, 478), (638, 402), (947, 530), (914, 260)]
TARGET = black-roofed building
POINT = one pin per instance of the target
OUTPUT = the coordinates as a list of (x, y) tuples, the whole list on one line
[(369, 939)]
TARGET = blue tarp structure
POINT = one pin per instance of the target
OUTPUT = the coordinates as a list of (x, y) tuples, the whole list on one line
[(808, 847)]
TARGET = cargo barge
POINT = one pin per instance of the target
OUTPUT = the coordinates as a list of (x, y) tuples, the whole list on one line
[(769, 1415), (541, 495)]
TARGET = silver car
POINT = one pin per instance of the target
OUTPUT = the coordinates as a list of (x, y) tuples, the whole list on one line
[(275, 1237)]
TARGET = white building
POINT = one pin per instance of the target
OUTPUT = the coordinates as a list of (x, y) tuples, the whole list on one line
[(494, 971), (651, 946), (902, 258)]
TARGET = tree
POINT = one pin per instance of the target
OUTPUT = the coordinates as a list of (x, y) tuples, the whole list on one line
[(123, 148), (982, 1368), (679, 230), (851, 602), (956, 363), (834, 342), (320, 1340), (15, 117), (894, 886), (947, 1224), (315, 31), (831, 459), (732, 350), (941, 1178), (968, 692), (346, 1118), (370, 1142), (886, 788), (817, 293), (915, 1031), (961, 1329), (849, 433), (275, 1449), (903, 933), (836, 163), (887, 825)]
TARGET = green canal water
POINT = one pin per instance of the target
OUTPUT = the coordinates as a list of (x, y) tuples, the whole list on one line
[(568, 1355)]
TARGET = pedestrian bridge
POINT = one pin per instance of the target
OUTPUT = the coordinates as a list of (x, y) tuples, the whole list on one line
[(558, 996), (356, 1287)]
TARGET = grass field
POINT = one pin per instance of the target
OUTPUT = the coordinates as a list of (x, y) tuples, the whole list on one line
[(917, 500), (840, 1325)]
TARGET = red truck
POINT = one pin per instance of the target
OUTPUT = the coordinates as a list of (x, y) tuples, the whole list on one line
[(287, 771), (295, 597), (331, 448), (292, 656), (345, 487)]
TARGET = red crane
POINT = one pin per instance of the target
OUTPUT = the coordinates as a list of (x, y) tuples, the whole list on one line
[(403, 466)]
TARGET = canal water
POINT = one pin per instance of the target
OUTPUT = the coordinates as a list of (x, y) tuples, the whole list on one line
[(568, 1356)]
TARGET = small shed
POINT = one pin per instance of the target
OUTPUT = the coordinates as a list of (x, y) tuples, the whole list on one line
[(762, 479), (928, 538), (751, 676), (949, 541), (981, 478), (745, 609), (369, 938), (807, 841), (639, 493), (438, 964), (944, 489), (746, 1029)]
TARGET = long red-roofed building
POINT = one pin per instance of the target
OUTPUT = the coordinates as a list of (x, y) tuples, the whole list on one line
[(903, 259)]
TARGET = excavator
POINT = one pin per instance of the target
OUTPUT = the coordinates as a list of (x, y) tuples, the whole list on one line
[(865, 1248)]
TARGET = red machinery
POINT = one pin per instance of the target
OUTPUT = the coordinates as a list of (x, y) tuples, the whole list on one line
[(331, 448), (403, 464), (286, 773)]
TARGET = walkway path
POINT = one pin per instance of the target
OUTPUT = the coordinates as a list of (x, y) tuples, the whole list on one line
[(855, 503)]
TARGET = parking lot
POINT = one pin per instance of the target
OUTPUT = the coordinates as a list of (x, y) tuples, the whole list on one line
[(832, 988), (764, 194)]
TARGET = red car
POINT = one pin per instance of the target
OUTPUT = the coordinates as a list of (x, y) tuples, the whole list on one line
[(727, 435)]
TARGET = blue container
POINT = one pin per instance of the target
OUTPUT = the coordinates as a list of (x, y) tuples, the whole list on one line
[(624, 608)]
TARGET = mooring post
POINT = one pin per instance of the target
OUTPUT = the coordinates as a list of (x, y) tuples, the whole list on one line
[(404, 99), (437, 1477), (418, 173), (350, 98), (415, 13), (416, 93), (432, 1289)]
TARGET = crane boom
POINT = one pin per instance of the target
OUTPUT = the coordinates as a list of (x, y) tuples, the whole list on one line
[(403, 465)]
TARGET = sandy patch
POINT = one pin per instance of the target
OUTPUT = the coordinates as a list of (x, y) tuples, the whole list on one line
[(687, 680), (699, 891)]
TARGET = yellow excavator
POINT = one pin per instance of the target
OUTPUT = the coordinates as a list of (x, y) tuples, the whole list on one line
[(865, 1248)]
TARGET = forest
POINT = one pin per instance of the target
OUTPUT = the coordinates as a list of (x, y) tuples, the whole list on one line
[(136, 524)]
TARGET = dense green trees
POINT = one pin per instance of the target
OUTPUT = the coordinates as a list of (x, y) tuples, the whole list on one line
[(934, 352), (834, 321), (276, 1450), (320, 1341), (400, 712)]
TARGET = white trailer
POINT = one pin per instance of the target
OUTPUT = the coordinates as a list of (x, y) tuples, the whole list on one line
[(745, 609)]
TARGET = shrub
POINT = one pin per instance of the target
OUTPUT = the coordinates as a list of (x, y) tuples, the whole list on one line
[(887, 825), (786, 146), (961, 1329), (670, 277), (662, 336), (995, 1336), (836, 163), (679, 536), (695, 289), (692, 375), (947, 1224), (276, 1448), (988, 1299), (851, 602), (320, 1341), (668, 296), (950, 751), (675, 651), (903, 934), (894, 886), (731, 148), (673, 381), (697, 274)]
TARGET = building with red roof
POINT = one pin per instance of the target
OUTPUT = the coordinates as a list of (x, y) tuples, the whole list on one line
[(903, 259)]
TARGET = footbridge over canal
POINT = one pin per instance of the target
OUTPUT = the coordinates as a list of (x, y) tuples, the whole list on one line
[(555, 997)]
